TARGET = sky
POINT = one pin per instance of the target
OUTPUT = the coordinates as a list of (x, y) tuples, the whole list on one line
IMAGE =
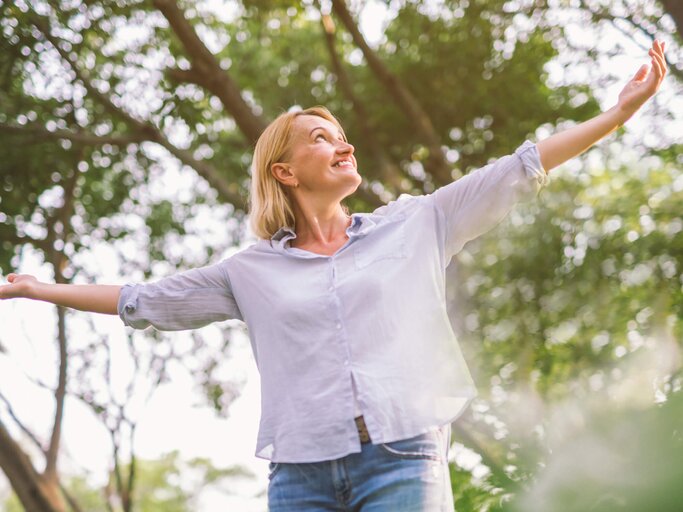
[(172, 420)]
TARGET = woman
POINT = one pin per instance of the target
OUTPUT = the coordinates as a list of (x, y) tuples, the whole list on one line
[(361, 372)]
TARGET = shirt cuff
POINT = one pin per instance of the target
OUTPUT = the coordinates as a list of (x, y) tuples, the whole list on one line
[(531, 160), (128, 301)]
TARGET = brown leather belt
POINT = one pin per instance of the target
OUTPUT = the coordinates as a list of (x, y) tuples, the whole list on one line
[(362, 430)]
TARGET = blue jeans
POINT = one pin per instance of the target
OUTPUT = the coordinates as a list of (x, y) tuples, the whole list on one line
[(409, 475)]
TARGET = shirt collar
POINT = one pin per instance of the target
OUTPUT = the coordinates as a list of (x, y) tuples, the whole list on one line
[(360, 224), (283, 232)]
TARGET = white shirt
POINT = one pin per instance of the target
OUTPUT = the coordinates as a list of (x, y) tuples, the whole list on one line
[(373, 315)]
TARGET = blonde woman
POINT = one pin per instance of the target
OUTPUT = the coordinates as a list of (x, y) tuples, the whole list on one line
[(361, 374)]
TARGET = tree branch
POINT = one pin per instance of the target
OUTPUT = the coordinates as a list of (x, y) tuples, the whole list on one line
[(117, 468), (60, 393), (15, 240), (403, 97), (185, 76), (228, 191), (42, 23), (605, 15), (391, 174), (130, 483), (207, 71), (58, 259), (21, 425), (40, 133), (674, 8), (61, 215)]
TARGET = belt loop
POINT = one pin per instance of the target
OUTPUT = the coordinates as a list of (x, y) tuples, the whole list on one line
[(362, 430)]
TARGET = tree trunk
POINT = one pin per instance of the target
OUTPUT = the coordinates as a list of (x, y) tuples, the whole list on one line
[(36, 493)]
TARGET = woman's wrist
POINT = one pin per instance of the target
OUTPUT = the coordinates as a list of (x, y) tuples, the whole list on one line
[(621, 114), (35, 290)]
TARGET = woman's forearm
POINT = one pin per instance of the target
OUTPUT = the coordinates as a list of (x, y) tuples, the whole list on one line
[(97, 298), (567, 144)]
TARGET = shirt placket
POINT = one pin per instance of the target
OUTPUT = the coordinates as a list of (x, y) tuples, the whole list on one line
[(338, 314), (341, 336), (343, 343)]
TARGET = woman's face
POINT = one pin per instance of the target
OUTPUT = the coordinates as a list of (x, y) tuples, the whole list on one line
[(319, 160)]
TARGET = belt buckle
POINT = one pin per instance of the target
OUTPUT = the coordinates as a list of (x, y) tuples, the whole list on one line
[(362, 430)]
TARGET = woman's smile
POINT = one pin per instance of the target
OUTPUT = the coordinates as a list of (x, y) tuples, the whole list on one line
[(345, 164)]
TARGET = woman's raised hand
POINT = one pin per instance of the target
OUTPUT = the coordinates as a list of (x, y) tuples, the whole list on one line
[(20, 285), (645, 83)]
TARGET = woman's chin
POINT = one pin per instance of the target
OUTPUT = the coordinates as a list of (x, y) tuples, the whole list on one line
[(344, 170)]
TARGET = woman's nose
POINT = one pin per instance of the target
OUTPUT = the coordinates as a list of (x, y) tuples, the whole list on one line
[(345, 147)]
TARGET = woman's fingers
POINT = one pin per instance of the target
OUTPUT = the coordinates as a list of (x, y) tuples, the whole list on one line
[(17, 287), (662, 58), (661, 66), (660, 53), (658, 61), (657, 49), (657, 67)]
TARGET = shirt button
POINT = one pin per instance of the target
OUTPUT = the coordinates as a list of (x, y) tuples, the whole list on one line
[(338, 326), (346, 362), (331, 288)]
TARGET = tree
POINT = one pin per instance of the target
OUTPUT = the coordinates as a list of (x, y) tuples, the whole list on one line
[(98, 96), (648, 18)]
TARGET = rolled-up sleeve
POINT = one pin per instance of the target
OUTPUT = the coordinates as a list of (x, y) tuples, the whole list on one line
[(187, 300), (474, 204)]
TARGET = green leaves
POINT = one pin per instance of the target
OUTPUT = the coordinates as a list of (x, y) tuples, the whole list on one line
[(563, 297), (577, 301)]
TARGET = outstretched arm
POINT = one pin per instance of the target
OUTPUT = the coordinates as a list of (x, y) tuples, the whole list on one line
[(567, 144), (187, 300), (85, 297)]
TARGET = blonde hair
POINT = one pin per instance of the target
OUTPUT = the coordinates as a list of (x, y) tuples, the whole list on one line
[(270, 204)]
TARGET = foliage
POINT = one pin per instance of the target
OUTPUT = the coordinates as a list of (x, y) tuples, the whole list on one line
[(100, 99), (576, 305), (627, 461)]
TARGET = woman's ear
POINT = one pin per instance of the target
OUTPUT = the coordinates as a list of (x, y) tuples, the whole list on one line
[(282, 173)]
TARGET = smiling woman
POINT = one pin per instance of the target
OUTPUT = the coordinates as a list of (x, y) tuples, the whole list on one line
[(361, 372), (303, 168)]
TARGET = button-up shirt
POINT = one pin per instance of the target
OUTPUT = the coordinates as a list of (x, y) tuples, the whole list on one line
[(368, 323)]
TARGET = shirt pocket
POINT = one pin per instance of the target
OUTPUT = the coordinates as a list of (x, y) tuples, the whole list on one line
[(386, 241)]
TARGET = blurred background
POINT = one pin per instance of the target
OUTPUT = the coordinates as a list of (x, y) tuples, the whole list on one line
[(126, 131)]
